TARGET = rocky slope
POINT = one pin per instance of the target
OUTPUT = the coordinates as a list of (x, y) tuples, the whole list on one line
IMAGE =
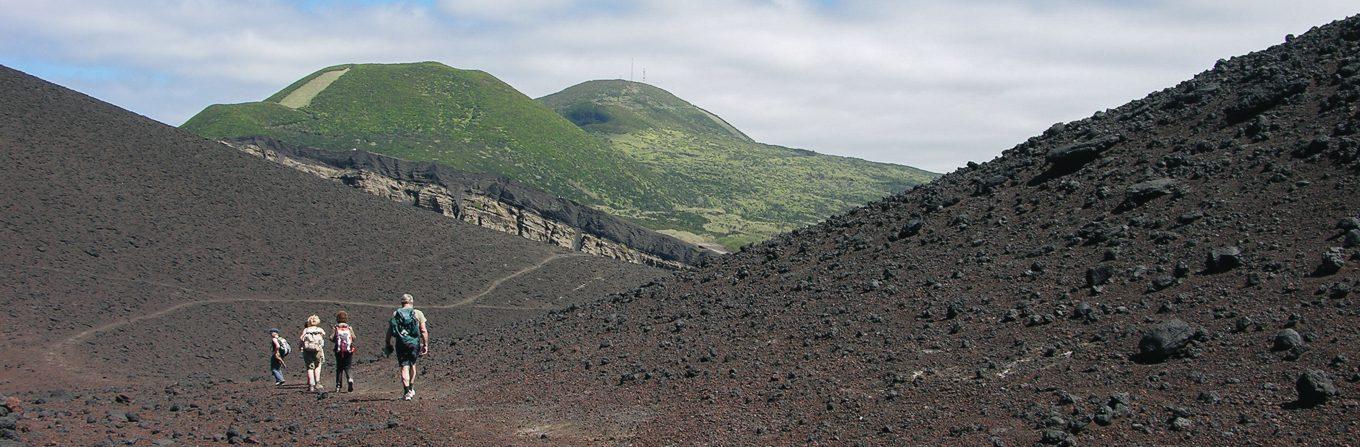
[(136, 254), (484, 200), (1177, 270)]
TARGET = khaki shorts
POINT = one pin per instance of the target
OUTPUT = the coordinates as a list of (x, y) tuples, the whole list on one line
[(313, 359)]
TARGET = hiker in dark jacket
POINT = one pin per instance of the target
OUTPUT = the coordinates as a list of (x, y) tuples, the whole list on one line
[(407, 326)]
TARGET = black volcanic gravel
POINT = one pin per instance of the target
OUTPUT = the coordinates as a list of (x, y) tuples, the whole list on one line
[(1006, 301)]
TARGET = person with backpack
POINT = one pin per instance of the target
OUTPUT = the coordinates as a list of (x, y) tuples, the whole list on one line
[(278, 350), (343, 338), (313, 340), (407, 326)]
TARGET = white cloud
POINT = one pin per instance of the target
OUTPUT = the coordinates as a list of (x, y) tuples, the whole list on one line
[(931, 84)]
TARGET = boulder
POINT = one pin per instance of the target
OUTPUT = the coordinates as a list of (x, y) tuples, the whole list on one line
[(1165, 340), (1315, 388), (1288, 339)]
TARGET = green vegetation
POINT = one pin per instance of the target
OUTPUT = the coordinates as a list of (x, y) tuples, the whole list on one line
[(462, 118), (735, 190), (638, 152)]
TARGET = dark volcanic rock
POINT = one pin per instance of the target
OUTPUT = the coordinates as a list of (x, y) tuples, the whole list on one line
[(1223, 259), (1332, 261), (1288, 339), (1165, 340), (1145, 191), (1315, 388)]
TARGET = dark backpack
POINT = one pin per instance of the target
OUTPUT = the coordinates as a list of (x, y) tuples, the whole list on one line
[(405, 328)]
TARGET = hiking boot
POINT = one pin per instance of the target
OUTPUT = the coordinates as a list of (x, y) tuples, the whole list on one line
[(337, 388), (410, 394), (351, 387), (279, 383)]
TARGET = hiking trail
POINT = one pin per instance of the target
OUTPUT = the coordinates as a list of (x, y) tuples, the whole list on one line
[(58, 357)]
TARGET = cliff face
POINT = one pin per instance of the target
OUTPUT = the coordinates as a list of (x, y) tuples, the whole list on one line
[(485, 200)]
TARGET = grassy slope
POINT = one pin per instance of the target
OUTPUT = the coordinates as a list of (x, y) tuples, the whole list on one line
[(739, 191), (640, 153), (466, 119)]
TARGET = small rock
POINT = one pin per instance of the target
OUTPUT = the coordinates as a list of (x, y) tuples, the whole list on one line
[(1055, 437), (1181, 424), (1144, 191), (1223, 259), (1352, 238), (1332, 261)]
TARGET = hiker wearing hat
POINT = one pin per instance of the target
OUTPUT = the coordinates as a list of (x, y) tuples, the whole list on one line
[(407, 326), (278, 350)]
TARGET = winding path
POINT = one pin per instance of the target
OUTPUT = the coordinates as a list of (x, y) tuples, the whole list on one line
[(58, 356)]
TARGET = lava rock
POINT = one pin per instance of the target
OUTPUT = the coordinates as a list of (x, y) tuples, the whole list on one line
[(1165, 340), (911, 228), (1332, 261), (1315, 388), (1288, 339), (1144, 191), (1352, 238), (1223, 259), (1098, 276)]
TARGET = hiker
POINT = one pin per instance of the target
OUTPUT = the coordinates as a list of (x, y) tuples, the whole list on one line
[(313, 341), (279, 349), (408, 327), (343, 338)]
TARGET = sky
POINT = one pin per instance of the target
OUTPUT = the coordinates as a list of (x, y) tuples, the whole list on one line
[(931, 84)]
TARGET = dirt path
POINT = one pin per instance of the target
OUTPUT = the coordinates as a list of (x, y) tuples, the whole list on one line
[(58, 357)]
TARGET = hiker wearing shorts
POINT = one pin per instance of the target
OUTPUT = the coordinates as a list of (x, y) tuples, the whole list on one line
[(407, 326), (342, 338), (313, 342), (277, 351)]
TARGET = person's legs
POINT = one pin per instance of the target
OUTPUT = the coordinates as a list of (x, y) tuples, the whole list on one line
[(277, 370), (339, 369), (349, 370)]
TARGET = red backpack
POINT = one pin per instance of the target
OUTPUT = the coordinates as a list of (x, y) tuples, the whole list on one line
[(344, 339)]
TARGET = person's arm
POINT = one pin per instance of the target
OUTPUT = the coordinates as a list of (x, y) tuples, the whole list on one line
[(387, 350), (424, 339), (275, 342)]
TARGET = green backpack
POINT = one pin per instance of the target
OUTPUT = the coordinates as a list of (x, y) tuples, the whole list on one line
[(405, 328)]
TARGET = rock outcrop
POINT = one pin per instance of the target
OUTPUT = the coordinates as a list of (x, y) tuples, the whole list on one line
[(489, 201)]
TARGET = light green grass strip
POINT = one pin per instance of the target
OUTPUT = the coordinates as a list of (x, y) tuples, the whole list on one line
[(303, 95)]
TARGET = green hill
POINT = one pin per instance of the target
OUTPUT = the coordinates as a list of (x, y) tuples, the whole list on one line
[(638, 152), (465, 119), (738, 190)]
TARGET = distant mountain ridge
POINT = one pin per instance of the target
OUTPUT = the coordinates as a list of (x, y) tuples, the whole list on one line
[(646, 156)]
